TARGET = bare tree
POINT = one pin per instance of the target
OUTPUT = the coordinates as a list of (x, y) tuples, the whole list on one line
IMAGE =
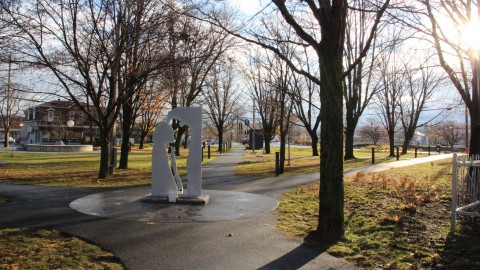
[(264, 97), (320, 25), (90, 49), (304, 94), (282, 82), (152, 106), (359, 87), (10, 104), (420, 84), (459, 59), (448, 131), (221, 97), (392, 83), (373, 131), (81, 46), (203, 46), (143, 58)]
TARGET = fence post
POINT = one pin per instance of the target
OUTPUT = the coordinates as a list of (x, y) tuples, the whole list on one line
[(416, 149), (373, 155), (429, 148), (277, 163), (398, 152), (208, 150)]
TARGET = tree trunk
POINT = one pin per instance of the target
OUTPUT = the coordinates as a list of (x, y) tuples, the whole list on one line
[(104, 154), (126, 133), (331, 213), (406, 142), (349, 135), (475, 134), (220, 142), (185, 131), (267, 147), (7, 135), (143, 136), (314, 137), (391, 139), (283, 140)]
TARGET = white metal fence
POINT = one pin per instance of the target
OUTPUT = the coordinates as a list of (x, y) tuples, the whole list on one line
[(465, 188)]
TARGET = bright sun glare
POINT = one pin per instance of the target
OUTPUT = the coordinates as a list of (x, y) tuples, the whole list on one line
[(470, 36)]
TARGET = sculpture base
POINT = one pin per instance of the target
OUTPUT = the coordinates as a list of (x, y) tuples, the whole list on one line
[(202, 199)]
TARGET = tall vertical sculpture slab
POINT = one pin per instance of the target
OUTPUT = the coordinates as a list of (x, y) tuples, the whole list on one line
[(166, 184)]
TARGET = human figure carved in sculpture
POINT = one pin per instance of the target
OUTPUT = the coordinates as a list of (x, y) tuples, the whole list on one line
[(192, 117), (178, 180), (163, 182)]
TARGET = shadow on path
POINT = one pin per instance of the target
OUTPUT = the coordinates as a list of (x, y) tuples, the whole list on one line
[(294, 259)]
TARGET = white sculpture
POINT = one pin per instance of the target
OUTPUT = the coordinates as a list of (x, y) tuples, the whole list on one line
[(166, 184)]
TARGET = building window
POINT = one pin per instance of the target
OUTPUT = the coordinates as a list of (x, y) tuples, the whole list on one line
[(50, 115), (71, 115), (31, 114)]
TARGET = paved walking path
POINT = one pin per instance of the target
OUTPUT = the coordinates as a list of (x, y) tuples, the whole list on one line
[(253, 244)]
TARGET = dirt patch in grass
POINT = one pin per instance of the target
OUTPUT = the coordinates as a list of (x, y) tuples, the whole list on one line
[(397, 219), (43, 249)]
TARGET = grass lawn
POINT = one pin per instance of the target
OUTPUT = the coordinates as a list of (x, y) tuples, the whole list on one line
[(398, 219), (79, 170), (43, 249), (301, 161)]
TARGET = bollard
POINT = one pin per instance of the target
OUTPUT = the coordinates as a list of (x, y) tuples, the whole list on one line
[(208, 151), (277, 163), (398, 152), (416, 149), (113, 160), (373, 155), (429, 149)]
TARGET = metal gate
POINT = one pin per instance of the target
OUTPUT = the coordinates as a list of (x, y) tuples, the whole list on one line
[(465, 188)]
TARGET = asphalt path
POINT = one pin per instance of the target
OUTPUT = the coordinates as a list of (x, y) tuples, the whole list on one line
[(240, 244)]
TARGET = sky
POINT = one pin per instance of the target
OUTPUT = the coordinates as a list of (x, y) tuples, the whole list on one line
[(248, 7)]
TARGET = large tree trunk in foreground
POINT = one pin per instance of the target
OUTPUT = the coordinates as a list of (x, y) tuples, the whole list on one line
[(331, 214)]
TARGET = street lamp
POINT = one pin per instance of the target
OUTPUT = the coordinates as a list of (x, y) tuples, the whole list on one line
[(70, 123)]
